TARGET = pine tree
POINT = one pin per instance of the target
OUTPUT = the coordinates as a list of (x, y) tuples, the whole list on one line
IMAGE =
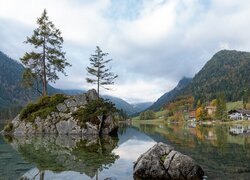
[(221, 107), (47, 57), (98, 69), (246, 98)]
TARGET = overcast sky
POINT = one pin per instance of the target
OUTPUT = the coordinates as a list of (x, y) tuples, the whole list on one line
[(153, 43)]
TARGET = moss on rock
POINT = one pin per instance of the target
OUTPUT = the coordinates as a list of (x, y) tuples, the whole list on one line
[(92, 110), (42, 108), (8, 128)]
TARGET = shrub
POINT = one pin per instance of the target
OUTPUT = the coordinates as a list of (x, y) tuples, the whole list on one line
[(93, 109), (8, 128), (147, 115), (43, 107)]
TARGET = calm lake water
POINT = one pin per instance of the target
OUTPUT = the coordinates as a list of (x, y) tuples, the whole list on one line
[(223, 152)]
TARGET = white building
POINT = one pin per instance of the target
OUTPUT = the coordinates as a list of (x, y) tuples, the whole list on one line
[(239, 114)]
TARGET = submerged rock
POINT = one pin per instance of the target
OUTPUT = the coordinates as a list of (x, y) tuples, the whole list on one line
[(64, 119), (163, 162)]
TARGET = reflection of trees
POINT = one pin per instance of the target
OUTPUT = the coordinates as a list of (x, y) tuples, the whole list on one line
[(88, 155), (221, 142), (147, 127), (211, 146)]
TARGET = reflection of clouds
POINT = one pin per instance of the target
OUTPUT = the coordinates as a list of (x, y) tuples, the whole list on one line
[(132, 143), (66, 175), (132, 149)]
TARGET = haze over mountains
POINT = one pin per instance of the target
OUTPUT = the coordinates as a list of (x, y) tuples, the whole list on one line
[(165, 98), (228, 71), (13, 94)]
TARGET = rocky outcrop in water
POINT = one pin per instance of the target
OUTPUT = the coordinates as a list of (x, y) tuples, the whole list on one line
[(163, 162), (63, 120)]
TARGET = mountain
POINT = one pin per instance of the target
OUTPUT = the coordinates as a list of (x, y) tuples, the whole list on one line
[(139, 107), (10, 78), (121, 104), (13, 95), (227, 71), (72, 91), (167, 97), (11, 91)]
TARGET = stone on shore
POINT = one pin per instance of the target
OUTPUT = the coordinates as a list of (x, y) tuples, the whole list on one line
[(163, 162)]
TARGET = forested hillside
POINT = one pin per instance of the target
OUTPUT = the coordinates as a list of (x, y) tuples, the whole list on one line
[(11, 91), (12, 94), (228, 72), (167, 97)]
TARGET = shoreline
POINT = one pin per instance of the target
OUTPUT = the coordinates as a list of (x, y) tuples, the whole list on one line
[(155, 121)]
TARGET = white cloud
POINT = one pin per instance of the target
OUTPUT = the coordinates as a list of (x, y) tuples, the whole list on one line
[(154, 43)]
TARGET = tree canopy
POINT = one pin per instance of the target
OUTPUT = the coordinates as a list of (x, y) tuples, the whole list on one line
[(98, 70), (46, 57)]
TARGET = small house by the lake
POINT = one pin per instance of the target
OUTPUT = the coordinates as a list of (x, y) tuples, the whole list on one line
[(192, 114), (240, 114), (210, 109)]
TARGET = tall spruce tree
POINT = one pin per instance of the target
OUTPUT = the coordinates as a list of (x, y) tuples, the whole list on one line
[(246, 98), (47, 57), (221, 107), (101, 74)]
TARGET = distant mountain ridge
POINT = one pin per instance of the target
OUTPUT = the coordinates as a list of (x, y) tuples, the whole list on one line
[(139, 107), (167, 97)]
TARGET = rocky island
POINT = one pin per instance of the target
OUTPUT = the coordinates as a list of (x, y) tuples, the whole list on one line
[(83, 114)]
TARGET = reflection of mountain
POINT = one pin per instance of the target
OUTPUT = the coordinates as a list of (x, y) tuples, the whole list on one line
[(86, 155), (221, 155), (11, 165), (131, 133)]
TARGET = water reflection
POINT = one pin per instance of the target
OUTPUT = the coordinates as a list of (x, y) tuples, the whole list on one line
[(239, 129), (76, 157), (221, 154), (88, 154)]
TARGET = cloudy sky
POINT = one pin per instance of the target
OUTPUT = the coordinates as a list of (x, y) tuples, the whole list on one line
[(153, 43)]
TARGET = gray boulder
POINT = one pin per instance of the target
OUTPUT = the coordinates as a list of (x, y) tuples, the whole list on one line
[(70, 102), (81, 100), (61, 107), (92, 95), (163, 162), (108, 126)]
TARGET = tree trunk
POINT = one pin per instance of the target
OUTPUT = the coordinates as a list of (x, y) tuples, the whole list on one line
[(98, 80), (41, 175), (44, 71)]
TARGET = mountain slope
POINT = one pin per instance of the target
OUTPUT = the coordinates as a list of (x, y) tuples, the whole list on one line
[(121, 104), (167, 97), (139, 107), (228, 71), (11, 91)]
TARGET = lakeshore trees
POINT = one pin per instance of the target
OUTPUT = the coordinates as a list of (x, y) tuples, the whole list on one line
[(46, 58), (221, 108)]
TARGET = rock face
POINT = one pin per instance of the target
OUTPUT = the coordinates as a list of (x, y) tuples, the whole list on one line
[(63, 121), (163, 162)]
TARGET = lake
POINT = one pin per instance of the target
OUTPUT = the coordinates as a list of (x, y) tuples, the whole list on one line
[(223, 151)]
